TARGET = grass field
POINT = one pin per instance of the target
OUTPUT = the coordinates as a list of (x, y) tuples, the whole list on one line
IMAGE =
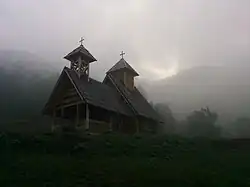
[(119, 160)]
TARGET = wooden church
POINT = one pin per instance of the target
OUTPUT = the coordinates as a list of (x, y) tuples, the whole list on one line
[(114, 104)]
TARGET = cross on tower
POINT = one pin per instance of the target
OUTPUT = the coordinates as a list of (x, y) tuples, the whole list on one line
[(81, 40), (122, 54)]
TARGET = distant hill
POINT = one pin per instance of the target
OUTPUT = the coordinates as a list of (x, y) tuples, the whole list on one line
[(25, 81), (224, 89)]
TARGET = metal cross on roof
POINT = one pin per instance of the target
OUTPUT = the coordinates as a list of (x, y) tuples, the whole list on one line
[(81, 40), (122, 54)]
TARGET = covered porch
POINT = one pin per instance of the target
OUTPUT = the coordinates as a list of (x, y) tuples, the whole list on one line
[(81, 116)]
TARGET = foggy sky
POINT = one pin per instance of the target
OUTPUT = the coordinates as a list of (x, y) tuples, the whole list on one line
[(159, 37)]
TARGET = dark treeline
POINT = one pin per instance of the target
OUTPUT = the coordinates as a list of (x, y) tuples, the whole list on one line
[(202, 123)]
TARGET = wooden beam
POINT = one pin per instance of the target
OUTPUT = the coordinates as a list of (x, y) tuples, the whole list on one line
[(70, 94), (87, 116), (97, 121), (88, 72), (79, 66), (70, 100), (53, 125), (79, 93), (68, 105)]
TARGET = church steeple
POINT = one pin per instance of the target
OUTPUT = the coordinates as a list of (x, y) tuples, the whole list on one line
[(122, 53), (80, 59), (123, 72)]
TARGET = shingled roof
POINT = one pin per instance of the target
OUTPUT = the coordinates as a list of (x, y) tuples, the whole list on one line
[(122, 64), (80, 51), (98, 94), (139, 104)]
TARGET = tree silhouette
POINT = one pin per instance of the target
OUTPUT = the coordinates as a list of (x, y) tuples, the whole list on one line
[(202, 123)]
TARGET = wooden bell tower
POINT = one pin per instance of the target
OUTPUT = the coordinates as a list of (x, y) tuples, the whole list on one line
[(80, 59), (123, 72)]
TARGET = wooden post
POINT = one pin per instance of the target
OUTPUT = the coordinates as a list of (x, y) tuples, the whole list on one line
[(120, 125), (87, 116), (137, 125), (79, 66), (62, 112), (110, 123), (77, 115), (88, 71), (53, 121)]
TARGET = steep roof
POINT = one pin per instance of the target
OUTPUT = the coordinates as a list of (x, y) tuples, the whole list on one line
[(98, 94), (82, 51), (122, 64), (136, 100)]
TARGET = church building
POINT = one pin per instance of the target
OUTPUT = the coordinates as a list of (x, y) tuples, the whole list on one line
[(114, 104)]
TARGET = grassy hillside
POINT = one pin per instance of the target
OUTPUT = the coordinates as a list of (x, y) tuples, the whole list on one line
[(116, 160)]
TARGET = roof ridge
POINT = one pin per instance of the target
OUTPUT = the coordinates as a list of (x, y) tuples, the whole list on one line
[(74, 84), (131, 100), (81, 49), (123, 94), (122, 64)]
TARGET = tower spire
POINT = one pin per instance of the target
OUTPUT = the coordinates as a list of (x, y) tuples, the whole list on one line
[(81, 41), (80, 59), (122, 54)]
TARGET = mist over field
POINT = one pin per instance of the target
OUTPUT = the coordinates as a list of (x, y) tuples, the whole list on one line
[(26, 86), (189, 54), (193, 61)]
